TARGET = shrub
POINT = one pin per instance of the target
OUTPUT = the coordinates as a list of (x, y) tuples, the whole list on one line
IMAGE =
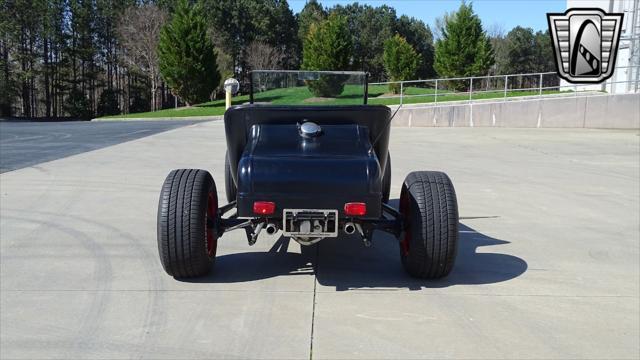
[(77, 104), (108, 103), (400, 61), (464, 49), (187, 58), (328, 46)]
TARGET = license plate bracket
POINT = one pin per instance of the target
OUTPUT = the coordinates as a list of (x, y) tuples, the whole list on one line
[(310, 222)]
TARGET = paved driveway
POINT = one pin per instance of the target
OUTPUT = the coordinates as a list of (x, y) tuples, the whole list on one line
[(548, 264), (25, 144)]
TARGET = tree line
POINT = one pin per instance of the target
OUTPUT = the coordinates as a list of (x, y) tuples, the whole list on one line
[(85, 58)]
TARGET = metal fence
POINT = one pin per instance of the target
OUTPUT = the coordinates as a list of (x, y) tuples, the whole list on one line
[(491, 87)]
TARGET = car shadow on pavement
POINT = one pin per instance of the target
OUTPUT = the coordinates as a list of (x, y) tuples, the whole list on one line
[(346, 263)]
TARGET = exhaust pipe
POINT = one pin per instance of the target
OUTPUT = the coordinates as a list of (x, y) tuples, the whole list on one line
[(349, 228), (271, 228)]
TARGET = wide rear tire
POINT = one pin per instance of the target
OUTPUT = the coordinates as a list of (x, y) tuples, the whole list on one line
[(187, 213), (429, 242)]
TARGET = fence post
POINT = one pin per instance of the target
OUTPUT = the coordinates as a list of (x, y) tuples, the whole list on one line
[(470, 87), (506, 80), (401, 91), (366, 88), (540, 92), (436, 93)]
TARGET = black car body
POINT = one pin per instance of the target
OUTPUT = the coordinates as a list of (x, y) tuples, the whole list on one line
[(311, 172), (271, 159)]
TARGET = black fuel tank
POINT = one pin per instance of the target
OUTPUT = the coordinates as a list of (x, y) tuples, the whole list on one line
[(325, 171)]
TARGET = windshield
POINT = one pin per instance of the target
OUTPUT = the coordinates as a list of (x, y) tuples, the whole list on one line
[(284, 87)]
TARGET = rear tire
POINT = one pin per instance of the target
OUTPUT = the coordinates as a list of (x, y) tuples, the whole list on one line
[(229, 185), (386, 180), (429, 242), (187, 218)]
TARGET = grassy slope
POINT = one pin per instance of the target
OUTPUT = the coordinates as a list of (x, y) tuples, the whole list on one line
[(378, 94)]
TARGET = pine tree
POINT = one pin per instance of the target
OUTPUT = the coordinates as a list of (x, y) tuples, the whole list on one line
[(186, 55), (545, 61), (464, 49), (83, 51), (311, 13), (328, 46), (370, 27), (400, 60), (8, 28), (520, 51), (283, 30), (419, 36), (235, 23)]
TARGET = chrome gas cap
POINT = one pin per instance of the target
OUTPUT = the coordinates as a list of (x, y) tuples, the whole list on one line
[(310, 129)]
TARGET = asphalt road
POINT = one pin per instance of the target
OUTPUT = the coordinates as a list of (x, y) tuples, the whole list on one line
[(25, 144), (548, 263)]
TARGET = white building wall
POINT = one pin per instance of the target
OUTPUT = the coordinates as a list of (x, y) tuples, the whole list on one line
[(626, 72)]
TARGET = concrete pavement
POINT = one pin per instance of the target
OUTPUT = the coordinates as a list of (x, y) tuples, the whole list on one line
[(548, 264)]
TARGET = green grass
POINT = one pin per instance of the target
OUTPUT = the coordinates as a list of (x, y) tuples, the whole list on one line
[(429, 96), (352, 94), (212, 108)]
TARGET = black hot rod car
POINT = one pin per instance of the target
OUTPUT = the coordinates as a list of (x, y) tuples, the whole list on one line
[(312, 172)]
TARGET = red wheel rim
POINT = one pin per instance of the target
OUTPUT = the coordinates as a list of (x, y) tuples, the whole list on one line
[(405, 211), (211, 216)]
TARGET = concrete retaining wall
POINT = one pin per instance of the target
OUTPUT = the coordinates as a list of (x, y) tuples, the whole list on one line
[(600, 111)]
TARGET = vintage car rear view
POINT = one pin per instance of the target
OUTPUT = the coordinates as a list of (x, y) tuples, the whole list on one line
[(312, 171)]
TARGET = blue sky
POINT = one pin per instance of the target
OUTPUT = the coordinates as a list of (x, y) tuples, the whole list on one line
[(504, 13)]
